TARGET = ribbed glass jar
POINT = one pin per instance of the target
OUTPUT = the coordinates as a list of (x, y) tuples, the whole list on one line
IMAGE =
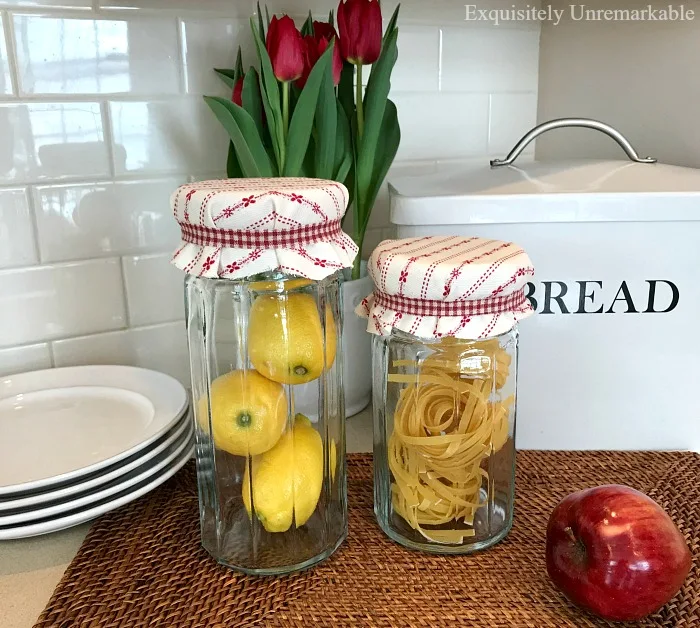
[(444, 440), (267, 389)]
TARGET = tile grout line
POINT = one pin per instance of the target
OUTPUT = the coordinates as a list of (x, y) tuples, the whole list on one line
[(108, 133), (127, 309), (181, 40), (11, 45), (440, 52), (34, 224)]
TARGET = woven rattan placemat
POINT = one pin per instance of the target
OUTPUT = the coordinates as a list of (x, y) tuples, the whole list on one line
[(143, 565)]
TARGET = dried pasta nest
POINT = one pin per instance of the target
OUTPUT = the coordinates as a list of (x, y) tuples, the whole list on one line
[(445, 424)]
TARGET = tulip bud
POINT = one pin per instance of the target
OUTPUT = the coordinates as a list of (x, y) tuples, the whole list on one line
[(360, 27), (237, 96), (286, 49), (315, 46)]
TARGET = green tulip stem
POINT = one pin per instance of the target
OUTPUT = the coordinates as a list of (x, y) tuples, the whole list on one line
[(285, 110), (358, 102)]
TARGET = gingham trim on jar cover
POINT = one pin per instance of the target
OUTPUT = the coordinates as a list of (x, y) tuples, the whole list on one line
[(236, 228), (434, 287)]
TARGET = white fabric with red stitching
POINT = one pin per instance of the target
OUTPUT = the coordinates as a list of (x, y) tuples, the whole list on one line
[(439, 286), (236, 228)]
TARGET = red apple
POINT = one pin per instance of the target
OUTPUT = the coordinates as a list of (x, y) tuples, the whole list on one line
[(615, 552)]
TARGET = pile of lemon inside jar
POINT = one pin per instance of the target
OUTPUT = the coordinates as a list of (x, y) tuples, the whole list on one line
[(263, 258)]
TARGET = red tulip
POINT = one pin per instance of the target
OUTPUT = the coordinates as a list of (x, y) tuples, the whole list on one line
[(315, 45), (360, 27), (325, 30), (237, 96), (286, 49), (324, 34)]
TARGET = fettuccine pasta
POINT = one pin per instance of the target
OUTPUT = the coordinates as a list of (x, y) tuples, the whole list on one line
[(445, 424)]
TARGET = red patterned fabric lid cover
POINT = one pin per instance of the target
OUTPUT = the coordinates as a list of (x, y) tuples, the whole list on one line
[(439, 286), (236, 228)]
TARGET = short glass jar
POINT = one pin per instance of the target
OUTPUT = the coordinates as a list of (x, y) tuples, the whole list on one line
[(444, 440), (268, 398), (444, 313)]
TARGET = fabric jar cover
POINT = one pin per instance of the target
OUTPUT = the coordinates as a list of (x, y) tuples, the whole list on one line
[(434, 287), (237, 228)]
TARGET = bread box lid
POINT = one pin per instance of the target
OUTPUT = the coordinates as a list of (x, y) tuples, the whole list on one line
[(567, 191)]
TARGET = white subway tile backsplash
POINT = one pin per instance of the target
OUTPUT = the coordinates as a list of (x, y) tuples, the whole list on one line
[(167, 136), (16, 232), (154, 289), (416, 69), (48, 4), (22, 359), (60, 55), (160, 347), (47, 302), (101, 118), (96, 219), (442, 125), (5, 78), (51, 140), (230, 8), (210, 43), (489, 60), (512, 115)]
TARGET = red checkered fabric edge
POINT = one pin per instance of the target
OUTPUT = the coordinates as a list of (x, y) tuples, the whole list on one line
[(273, 239), (420, 307)]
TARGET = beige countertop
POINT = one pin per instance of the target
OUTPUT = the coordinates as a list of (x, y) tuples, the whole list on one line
[(31, 568)]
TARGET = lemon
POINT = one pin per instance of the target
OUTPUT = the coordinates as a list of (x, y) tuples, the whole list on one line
[(248, 412), (287, 479), (333, 459), (283, 285), (285, 338)]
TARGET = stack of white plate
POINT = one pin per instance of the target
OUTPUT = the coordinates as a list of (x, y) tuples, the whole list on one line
[(78, 442)]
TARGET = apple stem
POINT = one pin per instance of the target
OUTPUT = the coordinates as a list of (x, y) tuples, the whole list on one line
[(570, 534)]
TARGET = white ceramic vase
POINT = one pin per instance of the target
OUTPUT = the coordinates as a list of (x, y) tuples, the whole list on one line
[(356, 352), (357, 345)]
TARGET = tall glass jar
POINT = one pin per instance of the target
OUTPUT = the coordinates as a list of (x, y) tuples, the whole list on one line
[(267, 380), (444, 390), (271, 474)]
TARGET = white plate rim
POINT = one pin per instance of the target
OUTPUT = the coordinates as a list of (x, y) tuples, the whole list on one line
[(84, 371), (81, 486), (62, 523), (85, 499)]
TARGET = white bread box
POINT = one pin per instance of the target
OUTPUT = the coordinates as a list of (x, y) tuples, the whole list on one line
[(612, 358)]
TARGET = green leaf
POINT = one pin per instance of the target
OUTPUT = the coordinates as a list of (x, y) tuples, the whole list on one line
[(308, 26), (233, 168), (302, 120), (227, 76), (252, 100), (346, 90), (307, 166), (239, 64), (267, 16), (326, 125), (273, 140), (331, 18), (271, 97), (386, 151), (392, 24), (261, 25), (376, 95), (343, 146), (250, 151)]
